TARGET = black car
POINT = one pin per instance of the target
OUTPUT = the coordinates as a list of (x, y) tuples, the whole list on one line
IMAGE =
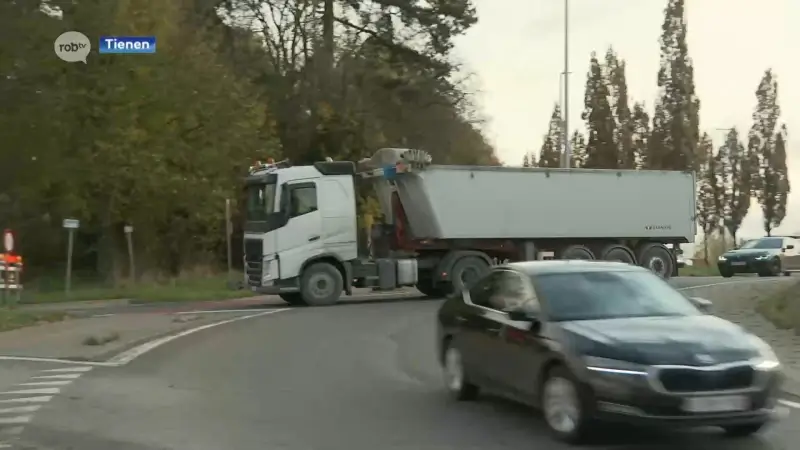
[(589, 342), (768, 256)]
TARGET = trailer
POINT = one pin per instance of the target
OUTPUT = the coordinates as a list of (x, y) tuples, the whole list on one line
[(443, 226)]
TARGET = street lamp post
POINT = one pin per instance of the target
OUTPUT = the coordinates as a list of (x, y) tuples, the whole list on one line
[(567, 160)]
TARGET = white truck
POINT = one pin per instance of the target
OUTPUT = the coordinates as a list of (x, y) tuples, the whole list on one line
[(443, 226)]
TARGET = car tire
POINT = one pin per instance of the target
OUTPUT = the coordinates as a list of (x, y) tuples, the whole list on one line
[(321, 285), (292, 298), (786, 273), (743, 430), (455, 376), (565, 406), (726, 273), (777, 268)]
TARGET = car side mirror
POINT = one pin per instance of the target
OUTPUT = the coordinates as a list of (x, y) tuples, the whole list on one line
[(790, 247), (702, 304)]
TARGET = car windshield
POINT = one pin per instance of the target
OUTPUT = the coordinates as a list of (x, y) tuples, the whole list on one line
[(260, 201), (764, 243), (607, 295)]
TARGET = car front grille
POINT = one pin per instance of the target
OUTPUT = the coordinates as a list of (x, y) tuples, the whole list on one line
[(687, 379)]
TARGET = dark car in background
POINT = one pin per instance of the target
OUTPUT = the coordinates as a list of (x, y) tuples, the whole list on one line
[(589, 342), (767, 256)]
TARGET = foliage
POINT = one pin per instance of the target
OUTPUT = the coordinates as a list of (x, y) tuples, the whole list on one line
[(551, 151), (707, 213), (601, 148)]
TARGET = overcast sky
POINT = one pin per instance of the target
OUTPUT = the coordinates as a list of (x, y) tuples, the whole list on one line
[(516, 52)]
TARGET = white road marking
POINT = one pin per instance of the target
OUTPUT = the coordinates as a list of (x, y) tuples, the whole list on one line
[(63, 376), (14, 420), (128, 356), (39, 399), (51, 360), (47, 383), (214, 311), (12, 431), (20, 409), (69, 369), (757, 280), (34, 391)]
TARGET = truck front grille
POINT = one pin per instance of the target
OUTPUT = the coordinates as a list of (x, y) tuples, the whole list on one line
[(253, 260)]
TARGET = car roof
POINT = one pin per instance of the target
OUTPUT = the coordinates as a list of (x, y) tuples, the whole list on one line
[(570, 266)]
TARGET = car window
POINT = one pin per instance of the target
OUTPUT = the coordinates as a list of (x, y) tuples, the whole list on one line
[(512, 291), (764, 243), (607, 295)]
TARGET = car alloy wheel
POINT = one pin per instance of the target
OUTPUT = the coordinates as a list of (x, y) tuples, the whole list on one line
[(561, 405)]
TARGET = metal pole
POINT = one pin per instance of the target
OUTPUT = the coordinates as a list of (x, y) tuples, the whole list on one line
[(131, 259), (567, 150), (228, 237), (70, 244)]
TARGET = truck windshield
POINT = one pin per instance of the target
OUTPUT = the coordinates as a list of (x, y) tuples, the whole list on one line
[(260, 201)]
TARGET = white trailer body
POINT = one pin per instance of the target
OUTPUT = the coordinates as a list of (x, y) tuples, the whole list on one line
[(453, 202)]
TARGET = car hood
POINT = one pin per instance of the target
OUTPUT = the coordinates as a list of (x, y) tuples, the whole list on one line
[(751, 252), (662, 340)]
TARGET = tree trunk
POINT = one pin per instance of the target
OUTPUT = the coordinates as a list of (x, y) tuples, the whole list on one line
[(705, 247)]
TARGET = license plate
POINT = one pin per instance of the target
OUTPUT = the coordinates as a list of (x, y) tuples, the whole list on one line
[(739, 263), (712, 404)]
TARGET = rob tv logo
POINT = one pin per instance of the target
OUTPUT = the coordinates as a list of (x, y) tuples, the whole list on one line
[(127, 44)]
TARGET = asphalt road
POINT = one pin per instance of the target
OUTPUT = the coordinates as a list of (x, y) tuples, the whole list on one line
[(354, 377)]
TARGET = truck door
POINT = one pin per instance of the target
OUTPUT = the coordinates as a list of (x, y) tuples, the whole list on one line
[(301, 237)]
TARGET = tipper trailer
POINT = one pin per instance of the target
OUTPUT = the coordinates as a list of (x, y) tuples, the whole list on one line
[(444, 226)]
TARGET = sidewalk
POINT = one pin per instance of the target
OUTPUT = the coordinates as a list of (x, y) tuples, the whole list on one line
[(83, 339)]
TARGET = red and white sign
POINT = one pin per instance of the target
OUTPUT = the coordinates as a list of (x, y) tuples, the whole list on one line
[(8, 241)]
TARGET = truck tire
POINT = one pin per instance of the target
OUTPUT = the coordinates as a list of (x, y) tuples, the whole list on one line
[(292, 298), (466, 271), (657, 258), (617, 252), (576, 252), (321, 284)]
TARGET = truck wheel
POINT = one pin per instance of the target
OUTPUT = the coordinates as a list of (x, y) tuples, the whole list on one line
[(576, 252), (466, 271), (657, 258), (292, 298), (321, 285), (617, 252)]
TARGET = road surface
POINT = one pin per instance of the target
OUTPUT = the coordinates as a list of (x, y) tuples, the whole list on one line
[(354, 377)]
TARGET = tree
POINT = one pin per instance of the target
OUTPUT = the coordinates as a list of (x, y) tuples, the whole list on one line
[(641, 134), (578, 146), (675, 134), (601, 149), (768, 146), (529, 160), (550, 153), (707, 215), (734, 181), (623, 118)]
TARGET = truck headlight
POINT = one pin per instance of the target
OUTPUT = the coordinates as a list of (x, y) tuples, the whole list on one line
[(614, 366)]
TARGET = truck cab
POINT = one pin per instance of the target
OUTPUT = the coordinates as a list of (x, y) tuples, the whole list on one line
[(297, 217)]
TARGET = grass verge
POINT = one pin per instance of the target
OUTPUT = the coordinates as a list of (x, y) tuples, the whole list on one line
[(697, 271), (188, 289), (11, 319), (782, 308)]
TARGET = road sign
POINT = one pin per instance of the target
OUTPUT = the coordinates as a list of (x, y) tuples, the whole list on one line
[(8, 241), (71, 223), (128, 229)]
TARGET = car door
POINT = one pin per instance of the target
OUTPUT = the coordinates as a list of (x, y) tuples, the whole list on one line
[(791, 254), (300, 239), (520, 351), (480, 330)]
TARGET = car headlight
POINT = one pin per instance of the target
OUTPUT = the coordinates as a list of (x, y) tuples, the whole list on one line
[(762, 257), (766, 359), (606, 365), (722, 258)]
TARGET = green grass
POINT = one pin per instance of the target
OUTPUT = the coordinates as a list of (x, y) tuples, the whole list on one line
[(11, 319), (184, 289), (697, 271), (782, 308)]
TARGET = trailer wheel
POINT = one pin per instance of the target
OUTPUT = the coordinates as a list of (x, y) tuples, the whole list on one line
[(617, 252), (657, 258), (576, 252), (321, 284), (466, 271)]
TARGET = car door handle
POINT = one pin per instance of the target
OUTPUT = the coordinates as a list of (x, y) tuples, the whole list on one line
[(493, 330), (313, 238), (461, 319)]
